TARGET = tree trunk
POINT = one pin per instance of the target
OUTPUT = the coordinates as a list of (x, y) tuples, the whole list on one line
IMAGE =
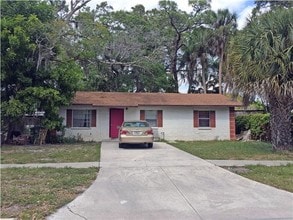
[(221, 68), (173, 68), (280, 121), (190, 71), (203, 60)]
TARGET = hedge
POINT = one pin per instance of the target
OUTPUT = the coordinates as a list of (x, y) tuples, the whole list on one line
[(258, 124)]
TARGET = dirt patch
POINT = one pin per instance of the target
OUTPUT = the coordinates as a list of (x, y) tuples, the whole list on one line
[(237, 170)]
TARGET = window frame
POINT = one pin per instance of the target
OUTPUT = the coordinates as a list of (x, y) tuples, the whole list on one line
[(159, 117), (81, 116), (90, 118), (202, 119), (197, 119), (153, 121)]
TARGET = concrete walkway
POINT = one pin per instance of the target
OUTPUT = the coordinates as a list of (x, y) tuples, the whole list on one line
[(54, 165), (221, 163), (241, 163), (166, 183)]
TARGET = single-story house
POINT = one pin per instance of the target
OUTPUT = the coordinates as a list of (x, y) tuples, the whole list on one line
[(96, 116)]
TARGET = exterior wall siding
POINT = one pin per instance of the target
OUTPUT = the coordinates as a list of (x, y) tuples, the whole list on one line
[(178, 123)]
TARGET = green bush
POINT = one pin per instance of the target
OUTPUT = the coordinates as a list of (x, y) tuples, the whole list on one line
[(242, 123), (257, 123), (259, 126)]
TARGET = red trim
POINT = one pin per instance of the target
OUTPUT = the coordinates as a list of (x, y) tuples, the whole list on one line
[(160, 118), (232, 123), (69, 118), (195, 119), (142, 114), (212, 119), (94, 118)]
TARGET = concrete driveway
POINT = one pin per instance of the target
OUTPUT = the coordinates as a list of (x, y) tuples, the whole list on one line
[(166, 183)]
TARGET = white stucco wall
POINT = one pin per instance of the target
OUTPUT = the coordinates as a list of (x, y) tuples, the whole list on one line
[(87, 134), (177, 124)]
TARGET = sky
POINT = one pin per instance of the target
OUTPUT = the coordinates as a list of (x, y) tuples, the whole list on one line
[(242, 8)]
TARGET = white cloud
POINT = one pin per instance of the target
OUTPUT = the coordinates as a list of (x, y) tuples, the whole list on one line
[(242, 8), (242, 18), (233, 6)]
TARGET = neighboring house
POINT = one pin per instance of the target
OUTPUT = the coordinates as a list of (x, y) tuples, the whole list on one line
[(96, 116)]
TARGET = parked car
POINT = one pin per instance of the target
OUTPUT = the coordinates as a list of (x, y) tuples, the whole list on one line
[(136, 132)]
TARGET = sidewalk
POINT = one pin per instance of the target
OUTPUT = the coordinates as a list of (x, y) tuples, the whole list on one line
[(221, 163), (242, 163), (54, 165)]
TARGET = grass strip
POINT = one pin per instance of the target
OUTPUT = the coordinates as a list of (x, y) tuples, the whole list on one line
[(232, 150), (34, 193), (61, 153), (277, 176)]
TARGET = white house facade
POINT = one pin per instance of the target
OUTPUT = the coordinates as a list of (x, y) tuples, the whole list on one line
[(96, 116)]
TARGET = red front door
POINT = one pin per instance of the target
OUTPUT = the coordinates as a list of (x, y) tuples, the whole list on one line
[(116, 119)]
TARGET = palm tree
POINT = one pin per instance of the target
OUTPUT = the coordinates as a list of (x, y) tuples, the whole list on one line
[(261, 60), (196, 52), (224, 25)]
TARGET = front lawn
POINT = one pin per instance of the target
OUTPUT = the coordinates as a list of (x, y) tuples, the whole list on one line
[(232, 150), (61, 153), (34, 193), (278, 176)]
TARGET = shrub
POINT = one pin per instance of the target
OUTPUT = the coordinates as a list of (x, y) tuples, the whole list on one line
[(259, 126), (242, 123), (257, 123)]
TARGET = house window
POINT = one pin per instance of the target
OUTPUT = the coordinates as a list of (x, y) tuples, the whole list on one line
[(81, 118), (153, 117), (204, 119)]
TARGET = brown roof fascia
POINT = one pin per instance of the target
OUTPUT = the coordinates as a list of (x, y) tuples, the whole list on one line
[(119, 99)]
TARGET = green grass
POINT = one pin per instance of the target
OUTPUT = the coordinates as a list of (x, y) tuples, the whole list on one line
[(280, 176), (34, 193), (63, 153), (232, 150)]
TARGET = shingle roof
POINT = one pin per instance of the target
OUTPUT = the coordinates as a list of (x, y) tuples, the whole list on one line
[(123, 99)]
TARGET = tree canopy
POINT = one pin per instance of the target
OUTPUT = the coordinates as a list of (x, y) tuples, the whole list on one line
[(34, 74), (261, 59)]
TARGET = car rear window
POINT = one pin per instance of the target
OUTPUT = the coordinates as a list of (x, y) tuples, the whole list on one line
[(135, 124)]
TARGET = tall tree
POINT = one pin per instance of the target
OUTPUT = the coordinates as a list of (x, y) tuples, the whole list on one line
[(175, 24), (261, 60), (133, 54), (196, 52), (33, 75), (224, 26)]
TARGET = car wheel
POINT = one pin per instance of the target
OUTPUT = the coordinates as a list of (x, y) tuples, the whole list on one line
[(150, 145)]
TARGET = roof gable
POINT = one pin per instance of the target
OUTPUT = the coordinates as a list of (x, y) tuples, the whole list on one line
[(123, 99)]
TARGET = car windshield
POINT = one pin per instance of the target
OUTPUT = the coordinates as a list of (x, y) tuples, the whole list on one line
[(135, 124)]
